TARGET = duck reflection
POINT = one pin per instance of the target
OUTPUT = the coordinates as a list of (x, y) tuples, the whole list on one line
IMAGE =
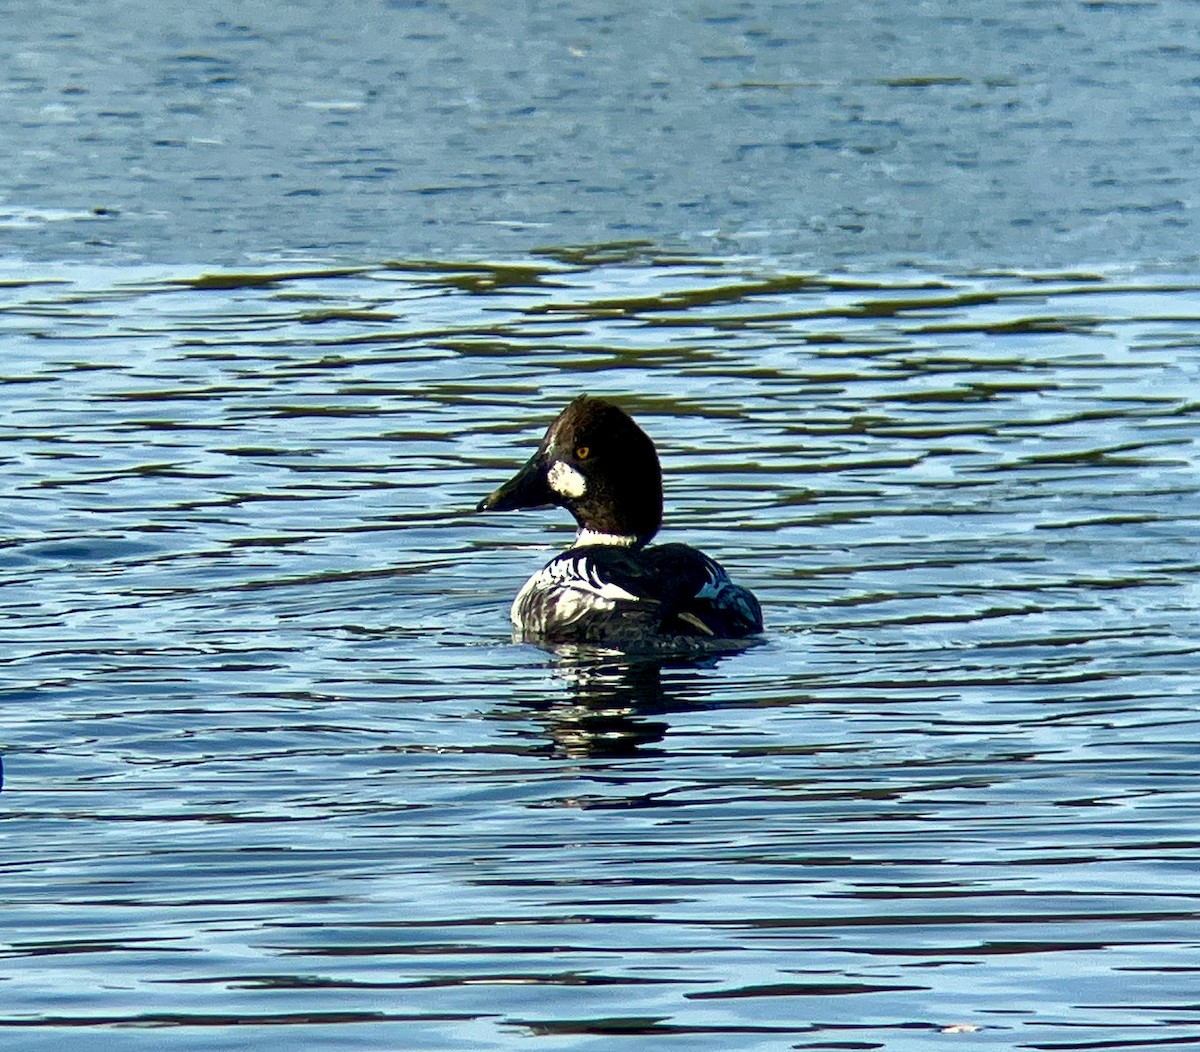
[(613, 704)]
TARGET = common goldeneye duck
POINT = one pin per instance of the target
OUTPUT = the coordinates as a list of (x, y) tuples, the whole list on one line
[(611, 588)]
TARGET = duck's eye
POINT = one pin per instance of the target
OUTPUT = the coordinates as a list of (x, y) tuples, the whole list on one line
[(582, 452)]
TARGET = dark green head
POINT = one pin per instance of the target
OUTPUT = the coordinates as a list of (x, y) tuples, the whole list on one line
[(599, 465)]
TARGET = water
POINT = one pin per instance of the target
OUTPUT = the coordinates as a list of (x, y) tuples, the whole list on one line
[(908, 297), (276, 773), (1045, 133)]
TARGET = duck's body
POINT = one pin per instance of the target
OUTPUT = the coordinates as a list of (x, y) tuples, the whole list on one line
[(611, 588), (625, 598)]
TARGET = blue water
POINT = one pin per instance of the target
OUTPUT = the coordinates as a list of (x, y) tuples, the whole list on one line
[(950, 133), (275, 771), (907, 296)]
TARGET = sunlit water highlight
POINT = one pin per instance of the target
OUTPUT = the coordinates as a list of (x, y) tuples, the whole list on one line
[(272, 760)]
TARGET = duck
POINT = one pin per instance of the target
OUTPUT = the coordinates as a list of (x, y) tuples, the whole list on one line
[(612, 588)]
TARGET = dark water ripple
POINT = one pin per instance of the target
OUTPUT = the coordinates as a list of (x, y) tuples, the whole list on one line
[(272, 762)]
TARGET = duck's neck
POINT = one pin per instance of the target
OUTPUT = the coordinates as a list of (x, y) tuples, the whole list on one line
[(616, 540)]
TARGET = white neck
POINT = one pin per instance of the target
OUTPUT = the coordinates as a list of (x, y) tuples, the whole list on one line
[(617, 540)]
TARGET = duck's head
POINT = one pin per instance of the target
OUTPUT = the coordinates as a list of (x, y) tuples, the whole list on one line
[(599, 465)]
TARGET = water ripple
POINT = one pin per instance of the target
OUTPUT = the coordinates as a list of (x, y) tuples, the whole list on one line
[(272, 760)]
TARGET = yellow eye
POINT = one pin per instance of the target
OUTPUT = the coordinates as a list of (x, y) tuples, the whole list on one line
[(582, 452)]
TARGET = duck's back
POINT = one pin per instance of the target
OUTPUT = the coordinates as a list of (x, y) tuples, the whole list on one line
[(633, 598)]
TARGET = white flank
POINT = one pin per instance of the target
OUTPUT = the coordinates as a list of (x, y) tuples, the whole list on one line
[(565, 480)]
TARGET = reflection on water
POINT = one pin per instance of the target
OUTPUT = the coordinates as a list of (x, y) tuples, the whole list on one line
[(605, 709), (272, 759), (612, 705)]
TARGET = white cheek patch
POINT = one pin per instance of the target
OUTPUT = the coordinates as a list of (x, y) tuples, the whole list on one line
[(565, 480)]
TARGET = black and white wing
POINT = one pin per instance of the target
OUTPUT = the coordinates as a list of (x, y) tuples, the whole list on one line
[(580, 596), (615, 596)]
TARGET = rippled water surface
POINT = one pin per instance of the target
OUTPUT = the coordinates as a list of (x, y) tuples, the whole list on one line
[(1038, 133), (275, 773)]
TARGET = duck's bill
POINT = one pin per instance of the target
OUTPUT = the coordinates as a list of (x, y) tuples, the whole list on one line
[(526, 489)]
